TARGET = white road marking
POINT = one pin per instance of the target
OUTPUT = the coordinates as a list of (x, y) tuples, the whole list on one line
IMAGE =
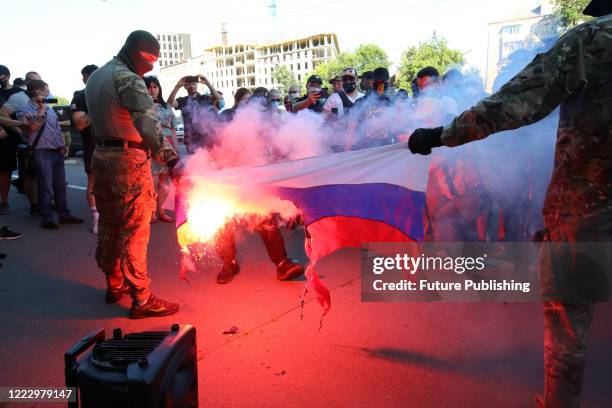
[(14, 177)]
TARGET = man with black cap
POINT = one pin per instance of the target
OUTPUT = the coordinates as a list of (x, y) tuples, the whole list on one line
[(343, 100), (365, 83), (127, 135), (575, 75), (314, 98), (373, 108)]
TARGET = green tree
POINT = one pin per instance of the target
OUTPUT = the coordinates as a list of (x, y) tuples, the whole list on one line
[(365, 58), (432, 53), (284, 78), (570, 12), (61, 101)]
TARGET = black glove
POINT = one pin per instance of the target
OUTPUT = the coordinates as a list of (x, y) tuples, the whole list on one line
[(423, 140), (175, 168), (172, 162)]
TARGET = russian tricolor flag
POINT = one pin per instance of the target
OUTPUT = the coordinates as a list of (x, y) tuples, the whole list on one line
[(347, 199)]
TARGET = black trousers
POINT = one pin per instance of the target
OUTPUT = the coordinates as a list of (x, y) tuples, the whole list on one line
[(269, 233)]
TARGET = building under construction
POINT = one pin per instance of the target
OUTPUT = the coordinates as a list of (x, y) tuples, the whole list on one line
[(232, 66)]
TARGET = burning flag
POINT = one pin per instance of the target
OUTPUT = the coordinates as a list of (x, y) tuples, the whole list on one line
[(347, 199)]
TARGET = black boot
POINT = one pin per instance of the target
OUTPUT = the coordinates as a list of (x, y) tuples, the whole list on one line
[(229, 270), (288, 269)]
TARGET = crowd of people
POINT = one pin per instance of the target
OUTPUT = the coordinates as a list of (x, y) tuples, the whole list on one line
[(358, 111)]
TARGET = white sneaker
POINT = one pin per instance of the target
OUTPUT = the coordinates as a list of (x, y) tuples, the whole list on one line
[(94, 226)]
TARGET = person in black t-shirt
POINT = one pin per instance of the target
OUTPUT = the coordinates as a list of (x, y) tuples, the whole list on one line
[(10, 137), (375, 114), (315, 96), (80, 120)]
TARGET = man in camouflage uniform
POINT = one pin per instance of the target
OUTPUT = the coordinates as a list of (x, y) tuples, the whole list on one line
[(126, 135), (576, 75)]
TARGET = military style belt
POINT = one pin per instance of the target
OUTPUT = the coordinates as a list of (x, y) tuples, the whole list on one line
[(125, 144)]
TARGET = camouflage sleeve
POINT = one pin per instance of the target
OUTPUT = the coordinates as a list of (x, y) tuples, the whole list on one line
[(135, 97), (528, 97)]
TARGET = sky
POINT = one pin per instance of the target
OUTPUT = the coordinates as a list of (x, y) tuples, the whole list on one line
[(57, 38)]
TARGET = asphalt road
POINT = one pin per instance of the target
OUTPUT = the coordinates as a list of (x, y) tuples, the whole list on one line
[(366, 354)]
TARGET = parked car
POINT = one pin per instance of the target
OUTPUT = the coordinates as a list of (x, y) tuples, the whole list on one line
[(180, 132)]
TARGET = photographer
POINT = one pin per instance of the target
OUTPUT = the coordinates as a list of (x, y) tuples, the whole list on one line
[(197, 110), (44, 137), (315, 96)]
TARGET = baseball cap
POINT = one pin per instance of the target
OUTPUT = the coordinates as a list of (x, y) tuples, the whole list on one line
[(349, 72), (336, 78), (367, 75), (314, 78), (380, 74)]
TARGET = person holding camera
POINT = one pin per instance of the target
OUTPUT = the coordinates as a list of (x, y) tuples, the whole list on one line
[(315, 96), (44, 137), (197, 110)]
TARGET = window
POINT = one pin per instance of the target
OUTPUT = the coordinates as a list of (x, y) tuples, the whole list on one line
[(291, 67), (299, 66), (511, 29), (511, 46), (306, 65)]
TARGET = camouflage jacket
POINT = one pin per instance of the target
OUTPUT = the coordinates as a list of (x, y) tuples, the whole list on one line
[(576, 74), (120, 107)]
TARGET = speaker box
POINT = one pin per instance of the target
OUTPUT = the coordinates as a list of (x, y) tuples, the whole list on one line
[(156, 369)]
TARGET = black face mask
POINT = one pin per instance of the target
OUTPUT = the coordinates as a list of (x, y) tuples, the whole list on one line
[(349, 87)]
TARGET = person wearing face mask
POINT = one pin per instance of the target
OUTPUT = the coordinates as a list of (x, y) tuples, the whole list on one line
[(275, 100), (127, 134), (314, 98), (241, 98), (342, 101), (375, 128)]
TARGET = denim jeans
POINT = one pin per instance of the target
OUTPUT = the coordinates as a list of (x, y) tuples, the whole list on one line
[(51, 182)]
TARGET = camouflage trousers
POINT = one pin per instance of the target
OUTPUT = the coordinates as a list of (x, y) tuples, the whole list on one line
[(567, 319), (125, 199)]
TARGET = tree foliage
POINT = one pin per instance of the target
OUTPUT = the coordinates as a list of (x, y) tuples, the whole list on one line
[(365, 58), (434, 52), (570, 12), (61, 101), (284, 78)]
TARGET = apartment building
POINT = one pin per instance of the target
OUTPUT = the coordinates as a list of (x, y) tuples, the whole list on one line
[(528, 29), (230, 67), (174, 48)]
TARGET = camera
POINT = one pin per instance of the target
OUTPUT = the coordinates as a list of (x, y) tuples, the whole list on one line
[(191, 78), (50, 100)]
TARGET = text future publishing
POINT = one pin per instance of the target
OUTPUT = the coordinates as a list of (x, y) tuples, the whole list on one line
[(425, 285)]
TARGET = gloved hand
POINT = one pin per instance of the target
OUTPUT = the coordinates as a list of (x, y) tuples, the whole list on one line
[(423, 140), (175, 168)]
